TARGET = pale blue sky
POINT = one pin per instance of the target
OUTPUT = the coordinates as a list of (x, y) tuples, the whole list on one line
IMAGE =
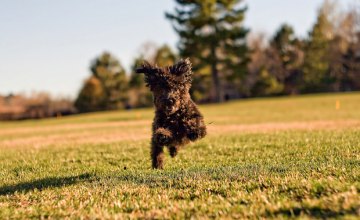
[(48, 45)]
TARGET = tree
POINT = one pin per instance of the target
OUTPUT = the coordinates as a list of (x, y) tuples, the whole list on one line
[(213, 36), (112, 76), (351, 59), (263, 68), (266, 84), (139, 95), (91, 97), (316, 65), (342, 53), (106, 89), (328, 51), (164, 56), (351, 67), (287, 55)]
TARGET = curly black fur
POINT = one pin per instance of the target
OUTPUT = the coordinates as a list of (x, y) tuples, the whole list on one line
[(177, 119)]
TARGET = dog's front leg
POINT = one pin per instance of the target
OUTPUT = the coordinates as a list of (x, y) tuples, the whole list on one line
[(157, 155), (161, 138)]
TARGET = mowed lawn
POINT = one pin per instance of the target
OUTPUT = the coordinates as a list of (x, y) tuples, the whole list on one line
[(263, 158)]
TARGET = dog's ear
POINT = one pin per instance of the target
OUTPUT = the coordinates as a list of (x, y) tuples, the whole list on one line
[(181, 68), (146, 68)]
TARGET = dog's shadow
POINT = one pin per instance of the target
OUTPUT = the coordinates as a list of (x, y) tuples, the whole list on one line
[(152, 179), (45, 183)]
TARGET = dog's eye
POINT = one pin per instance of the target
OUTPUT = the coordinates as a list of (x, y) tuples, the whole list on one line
[(171, 101)]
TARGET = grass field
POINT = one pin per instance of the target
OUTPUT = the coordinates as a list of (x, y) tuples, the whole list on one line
[(263, 158)]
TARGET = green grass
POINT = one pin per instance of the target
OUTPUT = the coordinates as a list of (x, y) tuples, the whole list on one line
[(260, 160)]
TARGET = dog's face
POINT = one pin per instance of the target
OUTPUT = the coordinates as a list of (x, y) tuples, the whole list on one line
[(169, 85)]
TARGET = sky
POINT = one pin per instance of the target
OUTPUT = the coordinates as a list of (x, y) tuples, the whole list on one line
[(48, 45)]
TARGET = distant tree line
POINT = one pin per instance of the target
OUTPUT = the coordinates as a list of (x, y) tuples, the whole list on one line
[(230, 64), (35, 105), (328, 60)]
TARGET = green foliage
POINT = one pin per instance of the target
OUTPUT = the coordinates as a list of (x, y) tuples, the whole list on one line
[(201, 86), (136, 80), (350, 77), (287, 54), (286, 45), (267, 85), (212, 35), (275, 68), (283, 39), (316, 65), (164, 56), (139, 95), (91, 97), (111, 77)]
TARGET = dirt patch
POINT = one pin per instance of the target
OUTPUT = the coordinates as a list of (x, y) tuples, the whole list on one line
[(76, 138), (70, 127), (282, 126), (124, 132)]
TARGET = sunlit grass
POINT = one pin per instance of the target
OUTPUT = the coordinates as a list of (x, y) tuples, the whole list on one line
[(256, 162)]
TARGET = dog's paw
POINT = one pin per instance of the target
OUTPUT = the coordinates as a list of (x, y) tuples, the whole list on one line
[(163, 136), (162, 139)]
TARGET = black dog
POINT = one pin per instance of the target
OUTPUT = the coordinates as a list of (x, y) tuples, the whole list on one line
[(177, 119)]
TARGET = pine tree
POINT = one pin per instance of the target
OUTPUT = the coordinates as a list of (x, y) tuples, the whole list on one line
[(316, 63), (213, 36), (286, 51), (283, 43)]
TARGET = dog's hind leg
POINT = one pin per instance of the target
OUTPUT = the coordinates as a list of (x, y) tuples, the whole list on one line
[(157, 155)]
